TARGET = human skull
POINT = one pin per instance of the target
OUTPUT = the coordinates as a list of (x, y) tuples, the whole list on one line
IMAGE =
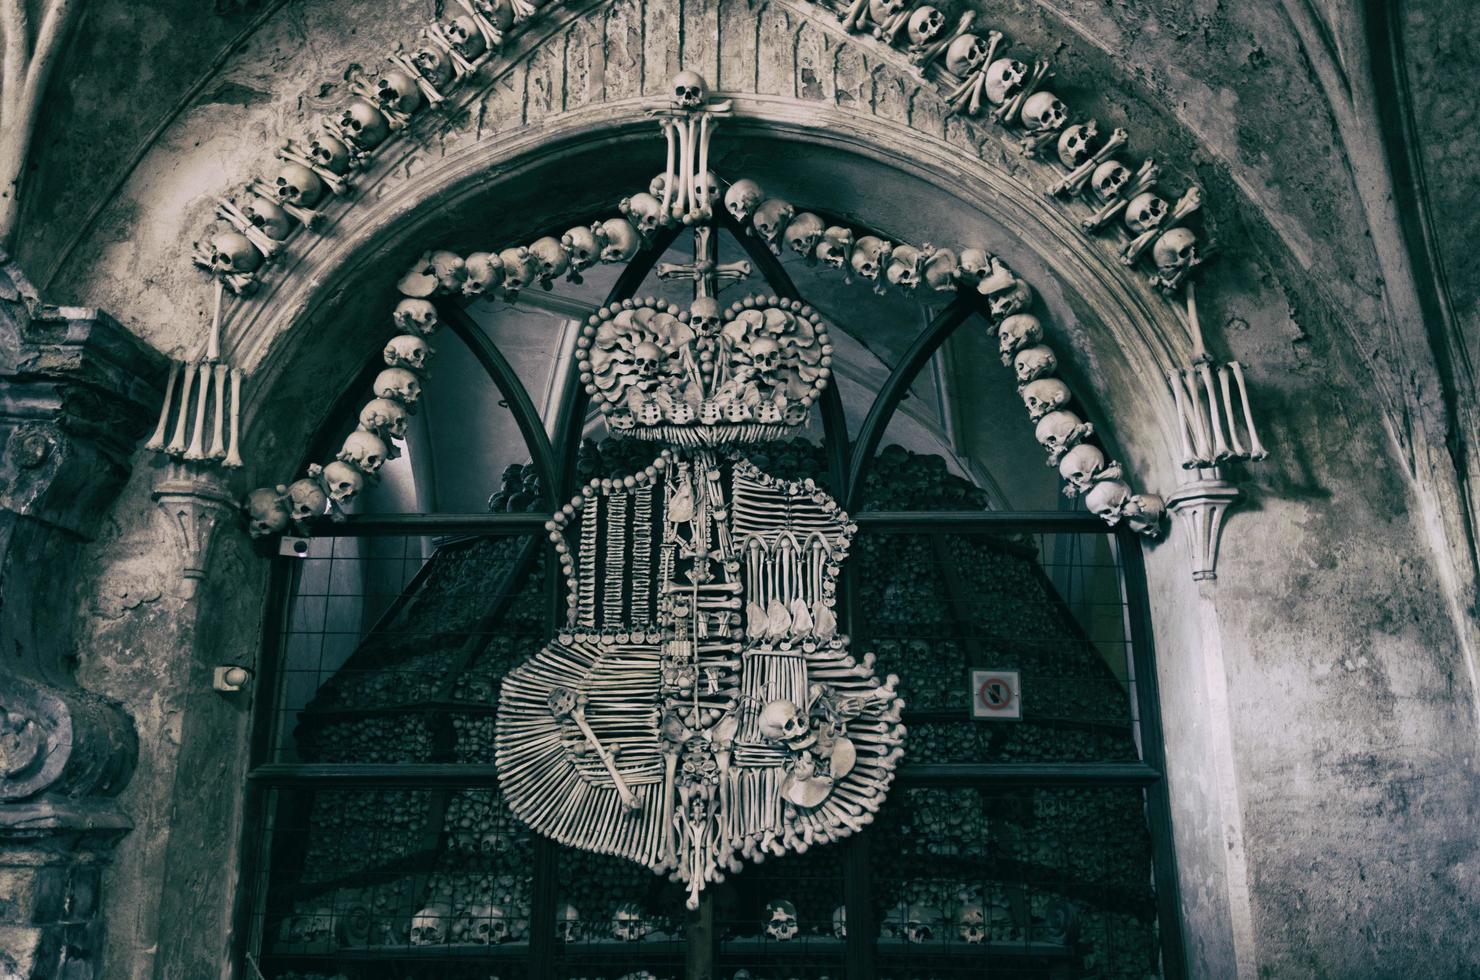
[(1080, 467), (781, 919), (449, 269), (429, 926), (306, 499), (1109, 499), (621, 240), (1175, 252), (1043, 396), (971, 924), (1144, 512), (869, 256), (364, 124), (840, 922), (925, 26), (921, 923), (463, 34), (1043, 112), (397, 91), (1074, 143), (1060, 431), (1004, 77), (488, 925), (386, 417), (264, 214), (498, 13), (583, 247), (803, 232), (644, 211), (552, 256), (1006, 293), (1109, 179), (399, 384), (905, 266), (567, 923), (1032, 363), (520, 268), (884, 11), (782, 721), (232, 251), (965, 55), (267, 513), (650, 361), (689, 90), (408, 351), (329, 153), (342, 481), (484, 272), (419, 315), (836, 247), (974, 265), (765, 356), (743, 197), (628, 924), (1016, 332), (941, 270), (296, 184), (771, 219), (1145, 212), (704, 317), (363, 450), (432, 64)]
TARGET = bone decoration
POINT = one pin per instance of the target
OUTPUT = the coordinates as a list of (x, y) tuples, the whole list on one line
[(200, 419)]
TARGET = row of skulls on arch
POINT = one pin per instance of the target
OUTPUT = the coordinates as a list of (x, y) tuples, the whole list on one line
[(1063, 434), (977, 76), (407, 355), (254, 224)]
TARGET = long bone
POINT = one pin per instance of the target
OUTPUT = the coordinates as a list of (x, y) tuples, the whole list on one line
[(1220, 445), (156, 441), (1256, 448), (227, 210), (1007, 113), (307, 217), (1145, 179), (196, 449), (1189, 202), (217, 447), (291, 152), (177, 444), (967, 96), (923, 58), (1075, 180), (233, 450), (429, 91), (577, 713)]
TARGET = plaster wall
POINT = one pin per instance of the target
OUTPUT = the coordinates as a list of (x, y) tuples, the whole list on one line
[(1319, 715)]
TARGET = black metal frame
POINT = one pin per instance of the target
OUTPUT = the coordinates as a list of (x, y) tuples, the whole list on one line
[(848, 466)]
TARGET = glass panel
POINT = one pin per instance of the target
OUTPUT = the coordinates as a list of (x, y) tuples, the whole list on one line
[(619, 918), (781, 918), (1051, 882), (413, 884), (382, 634), (934, 606)]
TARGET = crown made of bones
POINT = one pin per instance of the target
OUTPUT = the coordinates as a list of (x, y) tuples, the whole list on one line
[(705, 376)]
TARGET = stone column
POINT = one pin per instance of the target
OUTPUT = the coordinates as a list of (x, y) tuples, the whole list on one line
[(77, 391)]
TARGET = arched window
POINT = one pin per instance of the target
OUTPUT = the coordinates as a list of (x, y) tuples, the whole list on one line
[(1026, 833)]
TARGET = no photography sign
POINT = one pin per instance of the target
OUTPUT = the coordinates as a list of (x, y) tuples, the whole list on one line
[(996, 695)]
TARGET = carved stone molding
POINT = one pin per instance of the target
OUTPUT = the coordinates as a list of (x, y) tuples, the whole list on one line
[(1201, 507), (193, 503)]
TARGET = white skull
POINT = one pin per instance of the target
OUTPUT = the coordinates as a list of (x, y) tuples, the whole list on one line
[(905, 266), (649, 359), (520, 268), (620, 240), (1035, 362), (1016, 332), (1074, 143), (432, 64), (765, 356), (232, 251), (429, 926), (329, 153), (418, 315), (364, 124), (782, 721), (1043, 396), (363, 450), (407, 351), (803, 233), (1108, 499), (584, 248), (771, 219), (296, 184), (644, 211), (306, 499), (488, 925), (397, 91), (628, 924), (1175, 252), (743, 197), (1080, 466), (1042, 112), (1143, 511), (264, 214), (1060, 431), (1006, 293), (463, 34), (689, 90), (343, 482), (398, 384), (1109, 179), (971, 924), (484, 272), (704, 317), (449, 269), (781, 919), (567, 923), (386, 417), (925, 25), (836, 246), (840, 922), (267, 514), (869, 256), (921, 924), (941, 270), (1004, 77), (975, 264), (553, 258), (965, 55), (1145, 212)]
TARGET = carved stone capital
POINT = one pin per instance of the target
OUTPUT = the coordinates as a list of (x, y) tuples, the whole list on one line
[(193, 503), (1200, 507)]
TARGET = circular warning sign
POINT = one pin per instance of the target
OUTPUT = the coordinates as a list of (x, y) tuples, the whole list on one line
[(995, 694)]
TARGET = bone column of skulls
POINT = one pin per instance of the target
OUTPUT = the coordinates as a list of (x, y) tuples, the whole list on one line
[(202, 398)]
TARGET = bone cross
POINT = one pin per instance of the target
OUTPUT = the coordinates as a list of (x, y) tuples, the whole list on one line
[(706, 274)]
